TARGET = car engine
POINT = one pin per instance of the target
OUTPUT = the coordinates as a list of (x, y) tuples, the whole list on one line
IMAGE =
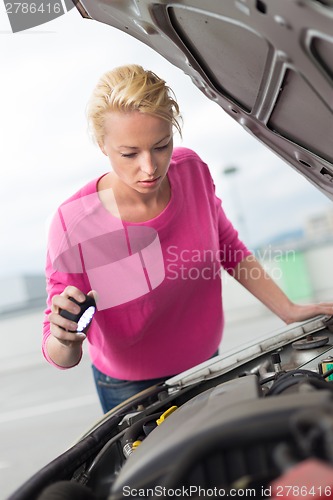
[(233, 435)]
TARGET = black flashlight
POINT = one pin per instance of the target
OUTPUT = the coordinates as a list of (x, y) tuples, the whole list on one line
[(84, 317)]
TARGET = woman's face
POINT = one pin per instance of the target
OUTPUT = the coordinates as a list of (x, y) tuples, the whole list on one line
[(139, 147)]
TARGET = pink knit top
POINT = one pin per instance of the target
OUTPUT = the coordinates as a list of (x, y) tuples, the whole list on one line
[(159, 282)]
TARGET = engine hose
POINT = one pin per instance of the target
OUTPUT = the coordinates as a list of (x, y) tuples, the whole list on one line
[(295, 377), (134, 431)]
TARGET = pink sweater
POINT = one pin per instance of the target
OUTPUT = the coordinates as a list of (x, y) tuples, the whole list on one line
[(159, 282)]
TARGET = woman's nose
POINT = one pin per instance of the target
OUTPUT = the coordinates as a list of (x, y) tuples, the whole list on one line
[(148, 165)]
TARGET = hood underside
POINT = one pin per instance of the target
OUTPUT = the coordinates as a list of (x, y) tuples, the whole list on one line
[(267, 63)]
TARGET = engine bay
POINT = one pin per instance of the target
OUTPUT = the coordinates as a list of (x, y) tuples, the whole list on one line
[(238, 431), (254, 422)]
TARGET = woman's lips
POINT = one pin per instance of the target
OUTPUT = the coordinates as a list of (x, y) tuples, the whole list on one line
[(148, 183)]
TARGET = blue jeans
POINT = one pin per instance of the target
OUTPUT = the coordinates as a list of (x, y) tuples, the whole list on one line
[(113, 391)]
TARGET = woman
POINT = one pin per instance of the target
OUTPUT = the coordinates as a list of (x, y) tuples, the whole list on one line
[(149, 238)]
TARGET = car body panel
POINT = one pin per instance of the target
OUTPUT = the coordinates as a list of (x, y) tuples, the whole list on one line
[(267, 63)]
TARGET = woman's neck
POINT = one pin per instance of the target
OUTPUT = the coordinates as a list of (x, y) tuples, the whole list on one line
[(131, 205)]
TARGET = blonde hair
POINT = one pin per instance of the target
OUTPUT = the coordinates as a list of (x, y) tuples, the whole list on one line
[(131, 88)]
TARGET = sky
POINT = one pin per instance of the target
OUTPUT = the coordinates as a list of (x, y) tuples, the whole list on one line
[(47, 76)]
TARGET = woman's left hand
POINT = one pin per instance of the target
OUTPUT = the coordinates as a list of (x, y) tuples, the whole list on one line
[(301, 312)]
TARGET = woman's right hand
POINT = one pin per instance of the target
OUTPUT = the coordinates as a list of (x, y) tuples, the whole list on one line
[(64, 330)]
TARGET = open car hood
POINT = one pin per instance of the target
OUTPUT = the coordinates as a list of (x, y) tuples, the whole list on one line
[(267, 63)]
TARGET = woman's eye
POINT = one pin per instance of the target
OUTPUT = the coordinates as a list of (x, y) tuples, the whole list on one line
[(160, 148), (128, 155)]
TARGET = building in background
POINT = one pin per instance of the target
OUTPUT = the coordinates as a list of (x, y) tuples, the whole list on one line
[(319, 227)]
